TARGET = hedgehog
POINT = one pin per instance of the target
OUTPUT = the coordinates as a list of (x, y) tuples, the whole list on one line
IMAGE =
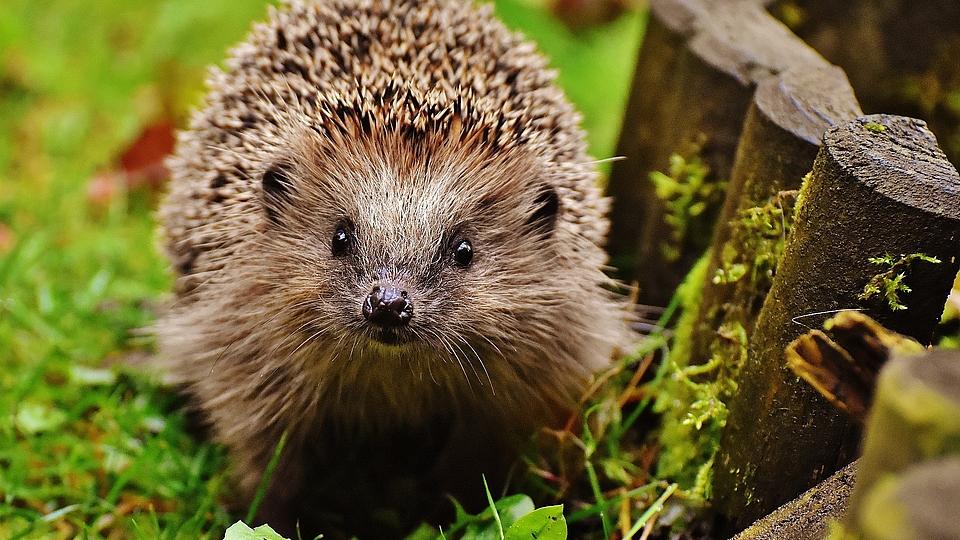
[(387, 240)]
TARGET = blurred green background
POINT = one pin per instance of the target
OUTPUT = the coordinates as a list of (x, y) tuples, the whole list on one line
[(87, 448)]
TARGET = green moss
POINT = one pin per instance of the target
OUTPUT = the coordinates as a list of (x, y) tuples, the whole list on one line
[(874, 127), (694, 397), (757, 243), (688, 194), (687, 399), (890, 284), (688, 297), (695, 411), (838, 532), (789, 13)]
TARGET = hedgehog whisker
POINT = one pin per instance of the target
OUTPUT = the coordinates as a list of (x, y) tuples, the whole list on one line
[(432, 376), (466, 358), (354, 348), (304, 342), (277, 347), (430, 332), (611, 159), (493, 345), (452, 347), (482, 366)]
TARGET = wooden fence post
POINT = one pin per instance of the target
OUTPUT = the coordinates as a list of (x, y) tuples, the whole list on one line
[(695, 75), (788, 115), (809, 516), (881, 203), (785, 124)]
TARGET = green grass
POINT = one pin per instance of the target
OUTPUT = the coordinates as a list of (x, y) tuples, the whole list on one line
[(90, 448), (85, 449)]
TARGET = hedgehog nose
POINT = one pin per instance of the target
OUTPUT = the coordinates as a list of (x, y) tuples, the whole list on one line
[(388, 306)]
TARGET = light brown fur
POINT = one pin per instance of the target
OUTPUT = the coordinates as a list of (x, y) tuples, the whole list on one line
[(418, 123)]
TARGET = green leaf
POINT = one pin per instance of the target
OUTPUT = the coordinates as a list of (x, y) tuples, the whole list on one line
[(424, 532), (547, 523), (241, 531), (514, 508), (485, 526)]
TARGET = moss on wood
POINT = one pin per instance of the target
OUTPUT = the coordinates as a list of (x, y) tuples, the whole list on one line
[(870, 193)]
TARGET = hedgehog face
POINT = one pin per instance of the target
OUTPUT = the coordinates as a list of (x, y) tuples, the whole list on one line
[(398, 251)]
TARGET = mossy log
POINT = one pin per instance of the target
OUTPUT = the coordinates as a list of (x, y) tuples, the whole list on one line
[(900, 55), (904, 490), (697, 68), (787, 119), (881, 191)]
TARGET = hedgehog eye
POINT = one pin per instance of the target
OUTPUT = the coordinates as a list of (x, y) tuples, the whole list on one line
[(463, 253), (340, 242)]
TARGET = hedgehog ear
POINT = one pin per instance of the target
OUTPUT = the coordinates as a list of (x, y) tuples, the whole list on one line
[(277, 190), (546, 209)]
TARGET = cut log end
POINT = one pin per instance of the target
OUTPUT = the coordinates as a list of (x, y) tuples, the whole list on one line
[(807, 101), (898, 157)]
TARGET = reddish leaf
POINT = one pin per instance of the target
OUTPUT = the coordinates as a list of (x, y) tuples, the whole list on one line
[(142, 161)]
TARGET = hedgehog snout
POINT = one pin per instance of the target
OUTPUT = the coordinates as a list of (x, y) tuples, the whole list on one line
[(388, 306)]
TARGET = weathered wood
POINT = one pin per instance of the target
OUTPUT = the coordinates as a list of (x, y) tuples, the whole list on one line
[(807, 517), (695, 74), (788, 115), (787, 119), (915, 419), (675, 100), (844, 366), (900, 55), (879, 185)]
